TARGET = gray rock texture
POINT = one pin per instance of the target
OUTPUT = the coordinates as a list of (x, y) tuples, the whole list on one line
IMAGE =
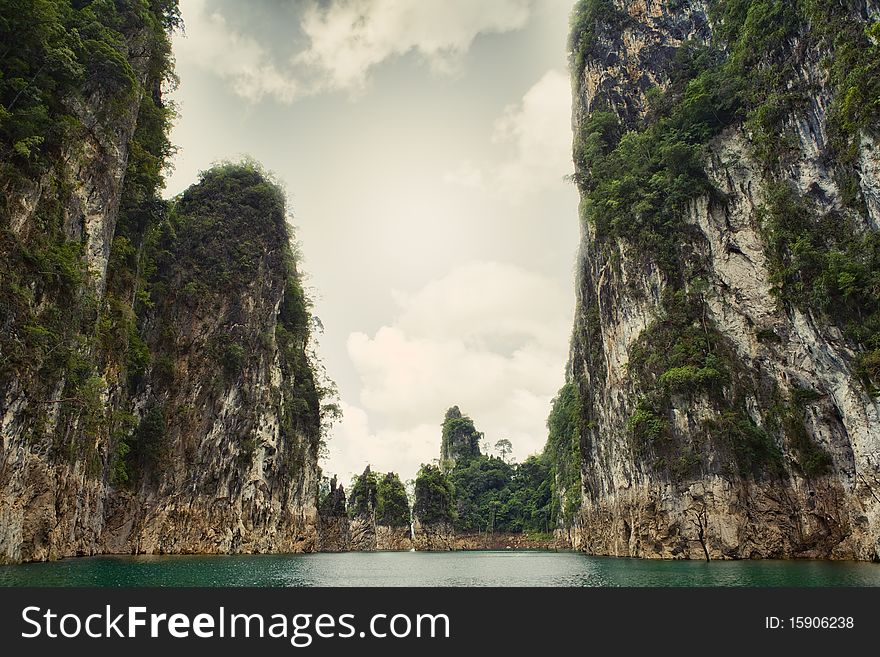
[(630, 506)]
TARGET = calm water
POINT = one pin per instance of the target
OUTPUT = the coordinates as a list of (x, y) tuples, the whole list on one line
[(433, 569)]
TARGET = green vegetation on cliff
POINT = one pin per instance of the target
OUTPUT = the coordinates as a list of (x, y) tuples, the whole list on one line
[(492, 495), (221, 244), (331, 500), (382, 496), (81, 92), (392, 504), (482, 493), (209, 247), (57, 54), (460, 440), (563, 451), (68, 79), (826, 263), (640, 167), (435, 496), (362, 501), (637, 180)]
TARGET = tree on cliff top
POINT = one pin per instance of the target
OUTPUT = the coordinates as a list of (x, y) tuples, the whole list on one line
[(434, 496), (493, 495), (333, 504), (392, 505), (504, 447), (362, 501)]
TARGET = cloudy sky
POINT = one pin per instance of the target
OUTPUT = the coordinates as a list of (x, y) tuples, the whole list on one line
[(423, 145)]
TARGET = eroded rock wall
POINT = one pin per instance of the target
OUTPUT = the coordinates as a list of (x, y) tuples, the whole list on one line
[(666, 478), (157, 393)]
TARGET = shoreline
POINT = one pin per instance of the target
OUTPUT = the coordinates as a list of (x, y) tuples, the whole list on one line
[(472, 547)]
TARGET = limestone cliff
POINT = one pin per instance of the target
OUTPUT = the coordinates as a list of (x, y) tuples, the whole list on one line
[(460, 441), (722, 395), (224, 457), (156, 394), (333, 524), (433, 536), (376, 517), (393, 539)]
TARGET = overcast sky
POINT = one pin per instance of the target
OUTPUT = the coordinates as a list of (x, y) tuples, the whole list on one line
[(423, 145)]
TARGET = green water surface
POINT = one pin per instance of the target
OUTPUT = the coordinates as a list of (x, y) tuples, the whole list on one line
[(526, 568)]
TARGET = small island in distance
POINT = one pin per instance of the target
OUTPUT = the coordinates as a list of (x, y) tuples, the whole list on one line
[(467, 501)]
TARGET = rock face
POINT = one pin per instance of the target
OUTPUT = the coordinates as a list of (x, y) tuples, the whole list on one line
[(333, 534), (433, 537), (226, 448), (728, 405), (341, 534), (363, 534), (222, 452), (393, 539), (333, 524), (509, 541), (460, 440), (156, 393), (356, 526), (362, 505), (367, 536)]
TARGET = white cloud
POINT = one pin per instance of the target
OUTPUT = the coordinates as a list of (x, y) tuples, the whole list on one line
[(535, 134), (355, 445), (343, 41), (213, 45), (489, 337), (349, 37), (486, 300)]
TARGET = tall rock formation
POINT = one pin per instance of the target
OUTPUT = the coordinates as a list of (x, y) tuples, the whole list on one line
[(156, 394), (393, 514), (722, 394), (376, 517), (334, 533), (460, 441), (225, 454), (433, 510), (362, 505)]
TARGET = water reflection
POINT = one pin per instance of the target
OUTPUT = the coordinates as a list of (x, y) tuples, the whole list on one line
[(433, 569)]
